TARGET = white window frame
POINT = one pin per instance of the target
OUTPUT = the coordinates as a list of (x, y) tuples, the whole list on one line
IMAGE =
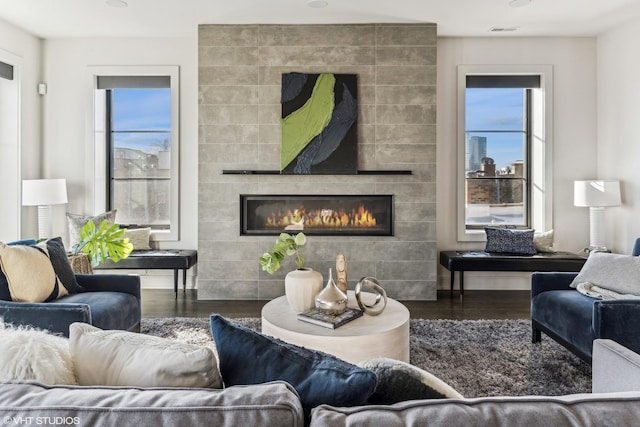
[(541, 159), (99, 147)]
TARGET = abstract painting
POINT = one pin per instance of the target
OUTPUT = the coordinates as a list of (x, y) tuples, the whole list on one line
[(319, 124)]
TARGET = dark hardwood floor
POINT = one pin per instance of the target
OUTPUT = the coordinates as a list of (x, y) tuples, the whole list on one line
[(475, 305)]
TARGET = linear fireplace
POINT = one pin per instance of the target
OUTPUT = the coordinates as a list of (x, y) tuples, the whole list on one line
[(329, 215)]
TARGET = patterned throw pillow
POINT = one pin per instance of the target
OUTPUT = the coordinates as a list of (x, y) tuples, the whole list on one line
[(504, 240), (36, 273), (76, 222)]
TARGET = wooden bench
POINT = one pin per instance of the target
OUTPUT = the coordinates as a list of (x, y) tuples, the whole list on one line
[(168, 259), (462, 261)]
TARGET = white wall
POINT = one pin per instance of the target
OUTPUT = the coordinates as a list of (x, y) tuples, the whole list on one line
[(573, 143), (619, 129), (67, 133), (26, 50)]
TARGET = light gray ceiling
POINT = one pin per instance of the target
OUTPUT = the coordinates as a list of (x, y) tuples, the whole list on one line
[(180, 18)]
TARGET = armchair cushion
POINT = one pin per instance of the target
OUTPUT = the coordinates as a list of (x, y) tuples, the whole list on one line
[(110, 301)]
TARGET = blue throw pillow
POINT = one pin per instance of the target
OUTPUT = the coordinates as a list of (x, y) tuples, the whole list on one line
[(510, 241), (247, 357)]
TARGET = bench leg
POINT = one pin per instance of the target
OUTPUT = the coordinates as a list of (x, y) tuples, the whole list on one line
[(461, 283), (453, 275), (184, 280), (175, 282)]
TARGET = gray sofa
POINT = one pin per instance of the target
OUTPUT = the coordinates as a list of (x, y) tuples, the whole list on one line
[(615, 401)]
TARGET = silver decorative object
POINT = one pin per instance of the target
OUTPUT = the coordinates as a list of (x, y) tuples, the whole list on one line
[(370, 283), (331, 299)]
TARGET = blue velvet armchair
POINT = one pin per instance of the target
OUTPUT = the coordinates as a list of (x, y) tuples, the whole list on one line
[(110, 301), (575, 320)]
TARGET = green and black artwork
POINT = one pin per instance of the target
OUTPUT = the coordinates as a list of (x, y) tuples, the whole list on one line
[(319, 130)]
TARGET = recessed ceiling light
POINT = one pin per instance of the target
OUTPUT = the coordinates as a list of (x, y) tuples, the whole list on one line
[(317, 3), (519, 3), (117, 3)]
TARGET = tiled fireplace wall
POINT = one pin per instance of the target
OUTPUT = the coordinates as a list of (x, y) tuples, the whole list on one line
[(240, 68)]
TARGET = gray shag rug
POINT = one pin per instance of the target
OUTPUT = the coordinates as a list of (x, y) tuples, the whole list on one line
[(475, 357)]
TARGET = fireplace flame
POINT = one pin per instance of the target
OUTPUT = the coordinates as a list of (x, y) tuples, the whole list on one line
[(299, 219)]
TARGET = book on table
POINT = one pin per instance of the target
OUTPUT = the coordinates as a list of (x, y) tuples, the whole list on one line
[(332, 321)]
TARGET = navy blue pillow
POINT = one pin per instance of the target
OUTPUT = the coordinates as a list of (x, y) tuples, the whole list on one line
[(61, 265), (247, 357)]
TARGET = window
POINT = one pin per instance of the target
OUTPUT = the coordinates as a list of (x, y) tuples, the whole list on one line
[(138, 133), (498, 143)]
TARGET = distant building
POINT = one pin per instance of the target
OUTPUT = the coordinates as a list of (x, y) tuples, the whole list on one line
[(476, 150)]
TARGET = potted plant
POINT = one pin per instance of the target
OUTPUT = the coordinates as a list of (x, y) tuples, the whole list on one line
[(301, 285), (100, 243)]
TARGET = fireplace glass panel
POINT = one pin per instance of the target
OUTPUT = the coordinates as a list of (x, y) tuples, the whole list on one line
[(329, 215)]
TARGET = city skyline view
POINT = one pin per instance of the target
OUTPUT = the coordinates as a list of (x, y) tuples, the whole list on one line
[(501, 111)]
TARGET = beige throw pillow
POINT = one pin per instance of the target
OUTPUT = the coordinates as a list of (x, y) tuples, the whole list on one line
[(139, 238), (29, 274), (121, 358)]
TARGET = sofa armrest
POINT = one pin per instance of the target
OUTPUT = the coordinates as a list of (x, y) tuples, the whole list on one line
[(127, 283), (615, 367), (554, 281), (51, 316), (616, 320)]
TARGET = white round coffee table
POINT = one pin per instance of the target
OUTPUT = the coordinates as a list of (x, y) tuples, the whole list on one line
[(385, 335)]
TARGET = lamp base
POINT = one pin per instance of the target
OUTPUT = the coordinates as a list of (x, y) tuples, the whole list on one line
[(591, 249)]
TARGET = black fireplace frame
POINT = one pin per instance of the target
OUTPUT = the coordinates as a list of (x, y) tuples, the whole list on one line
[(388, 199)]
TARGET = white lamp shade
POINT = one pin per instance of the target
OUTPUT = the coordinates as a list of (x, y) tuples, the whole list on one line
[(41, 192), (596, 193)]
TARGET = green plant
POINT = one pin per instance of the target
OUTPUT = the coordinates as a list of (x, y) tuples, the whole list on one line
[(105, 241), (286, 245)]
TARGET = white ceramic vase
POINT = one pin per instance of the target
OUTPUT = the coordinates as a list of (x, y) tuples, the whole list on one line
[(301, 287)]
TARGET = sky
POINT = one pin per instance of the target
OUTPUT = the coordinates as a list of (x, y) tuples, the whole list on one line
[(142, 109), (497, 110), (486, 110)]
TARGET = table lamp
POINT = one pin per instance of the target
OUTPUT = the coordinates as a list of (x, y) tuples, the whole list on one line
[(43, 193), (596, 195)]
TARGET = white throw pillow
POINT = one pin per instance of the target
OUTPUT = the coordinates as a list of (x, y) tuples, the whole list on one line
[(121, 358), (544, 241), (27, 353), (614, 272)]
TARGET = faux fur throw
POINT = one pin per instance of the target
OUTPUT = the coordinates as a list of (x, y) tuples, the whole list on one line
[(28, 353)]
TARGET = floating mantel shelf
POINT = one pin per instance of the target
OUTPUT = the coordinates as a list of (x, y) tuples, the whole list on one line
[(276, 172)]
